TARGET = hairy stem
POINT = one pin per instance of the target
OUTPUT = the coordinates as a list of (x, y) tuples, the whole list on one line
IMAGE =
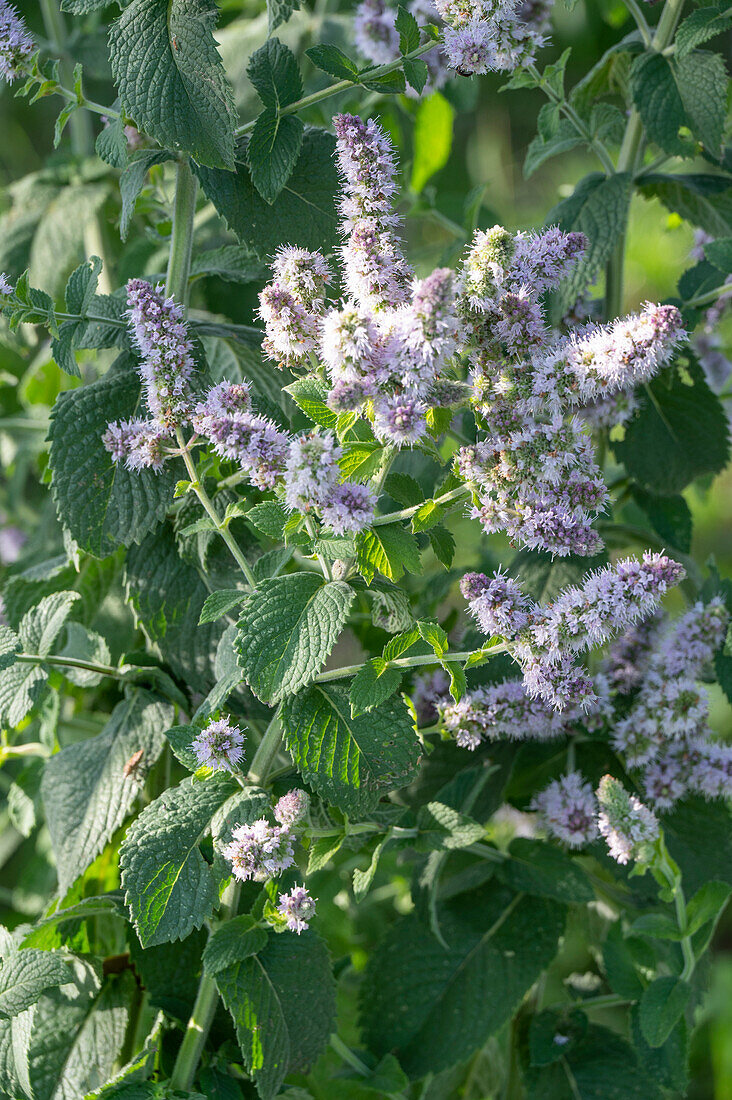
[(70, 662), (628, 161), (181, 241), (405, 513), (340, 86), (407, 662), (266, 752)]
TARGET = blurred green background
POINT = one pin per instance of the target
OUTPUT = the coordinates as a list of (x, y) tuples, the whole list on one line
[(492, 131)]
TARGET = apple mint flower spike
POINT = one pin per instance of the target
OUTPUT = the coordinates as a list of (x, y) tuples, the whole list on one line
[(311, 471), (292, 330), (305, 273), (349, 509), (219, 745), (253, 442), (16, 43), (292, 808), (628, 826), (259, 851), (567, 810), (140, 444), (374, 31), (298, 908), (166, 356), (497, 603)]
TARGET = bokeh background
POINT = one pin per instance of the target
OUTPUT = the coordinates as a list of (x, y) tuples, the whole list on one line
[(490, 132)]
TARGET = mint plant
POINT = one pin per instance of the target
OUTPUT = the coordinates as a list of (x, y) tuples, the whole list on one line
[(354, 662)]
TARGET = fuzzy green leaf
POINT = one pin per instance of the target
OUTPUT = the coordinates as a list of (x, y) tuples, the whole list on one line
[(272, 151), (372, 685), (282, 1002), (25, 974), (352, 762), (388, 549), (287, 629), (85, 791), (171, 80), (661, 1006)]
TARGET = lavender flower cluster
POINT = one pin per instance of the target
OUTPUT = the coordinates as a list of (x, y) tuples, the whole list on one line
[(298, 908), (665, 734), (544, 639), (260, 850), (534, 473), (219, 745), (479, 36), (16, 44), (304, 469)]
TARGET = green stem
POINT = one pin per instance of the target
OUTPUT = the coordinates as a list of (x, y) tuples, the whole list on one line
[(710, 297), (208, 505), (181, 243), (569, 112), (341, 86), (351, 1059), (635, 10), (204, 1008), (406, 662), (405, 513), (628, 162), (266, 753), (70, 662)]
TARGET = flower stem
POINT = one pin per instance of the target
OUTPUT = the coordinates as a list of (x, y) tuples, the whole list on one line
[(405, 513), (407, 662)]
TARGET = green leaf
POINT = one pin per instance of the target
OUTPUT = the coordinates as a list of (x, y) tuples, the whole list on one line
[(310, 395), (232, 262), (362, 879), (279, 11), (25, 975), (707, 905), (433, 1006), (40, 626), (330, 59), (133, 179), (171, 80), (719, 253), (352, 762), (666, 1065), (21, 687), (600, 1066), (167, 595), (361, 460), (679, 433), (552, 1034), (702, 83), (111, 143), (670, 516), (433, 125), (702, 25), (220, 603), (304, 211), (372, 685), (541, 869), (286, 631), (657, 96), (272, 151), (443, 828), (400, 643), (269, 518), (435, 636), (390, 549), (234, 941), (408, 29), (321, 852), (699, 838), (661, 1006), (169, 887), (282, 1021), (703, 200), (103, 505), (598, 207), (275, 74), (77, 1036), (85, 791)]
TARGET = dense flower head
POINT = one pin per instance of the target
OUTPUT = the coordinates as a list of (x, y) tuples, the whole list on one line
[(259, 851), (542, 638), (298, 908), (140, 444), (311, 470), (16, 43), (483, 36), (628, 826), (166, 357), (400, 419), (292, 807), (567, 809), (349, 508), (305, 273), (219, 745), (500, 712), (292, 329), (629, 656), (254, 442)]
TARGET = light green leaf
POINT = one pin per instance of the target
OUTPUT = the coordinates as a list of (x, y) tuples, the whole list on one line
[(350, 761), (85, 792), (282, 1021), (388, 549), (443, 828), (432, 138), (286, 631), (169, 887), (25, 975), (171, 80), (701, 25), (279, 11), (219, 603), (21, 686), (41, 625)]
